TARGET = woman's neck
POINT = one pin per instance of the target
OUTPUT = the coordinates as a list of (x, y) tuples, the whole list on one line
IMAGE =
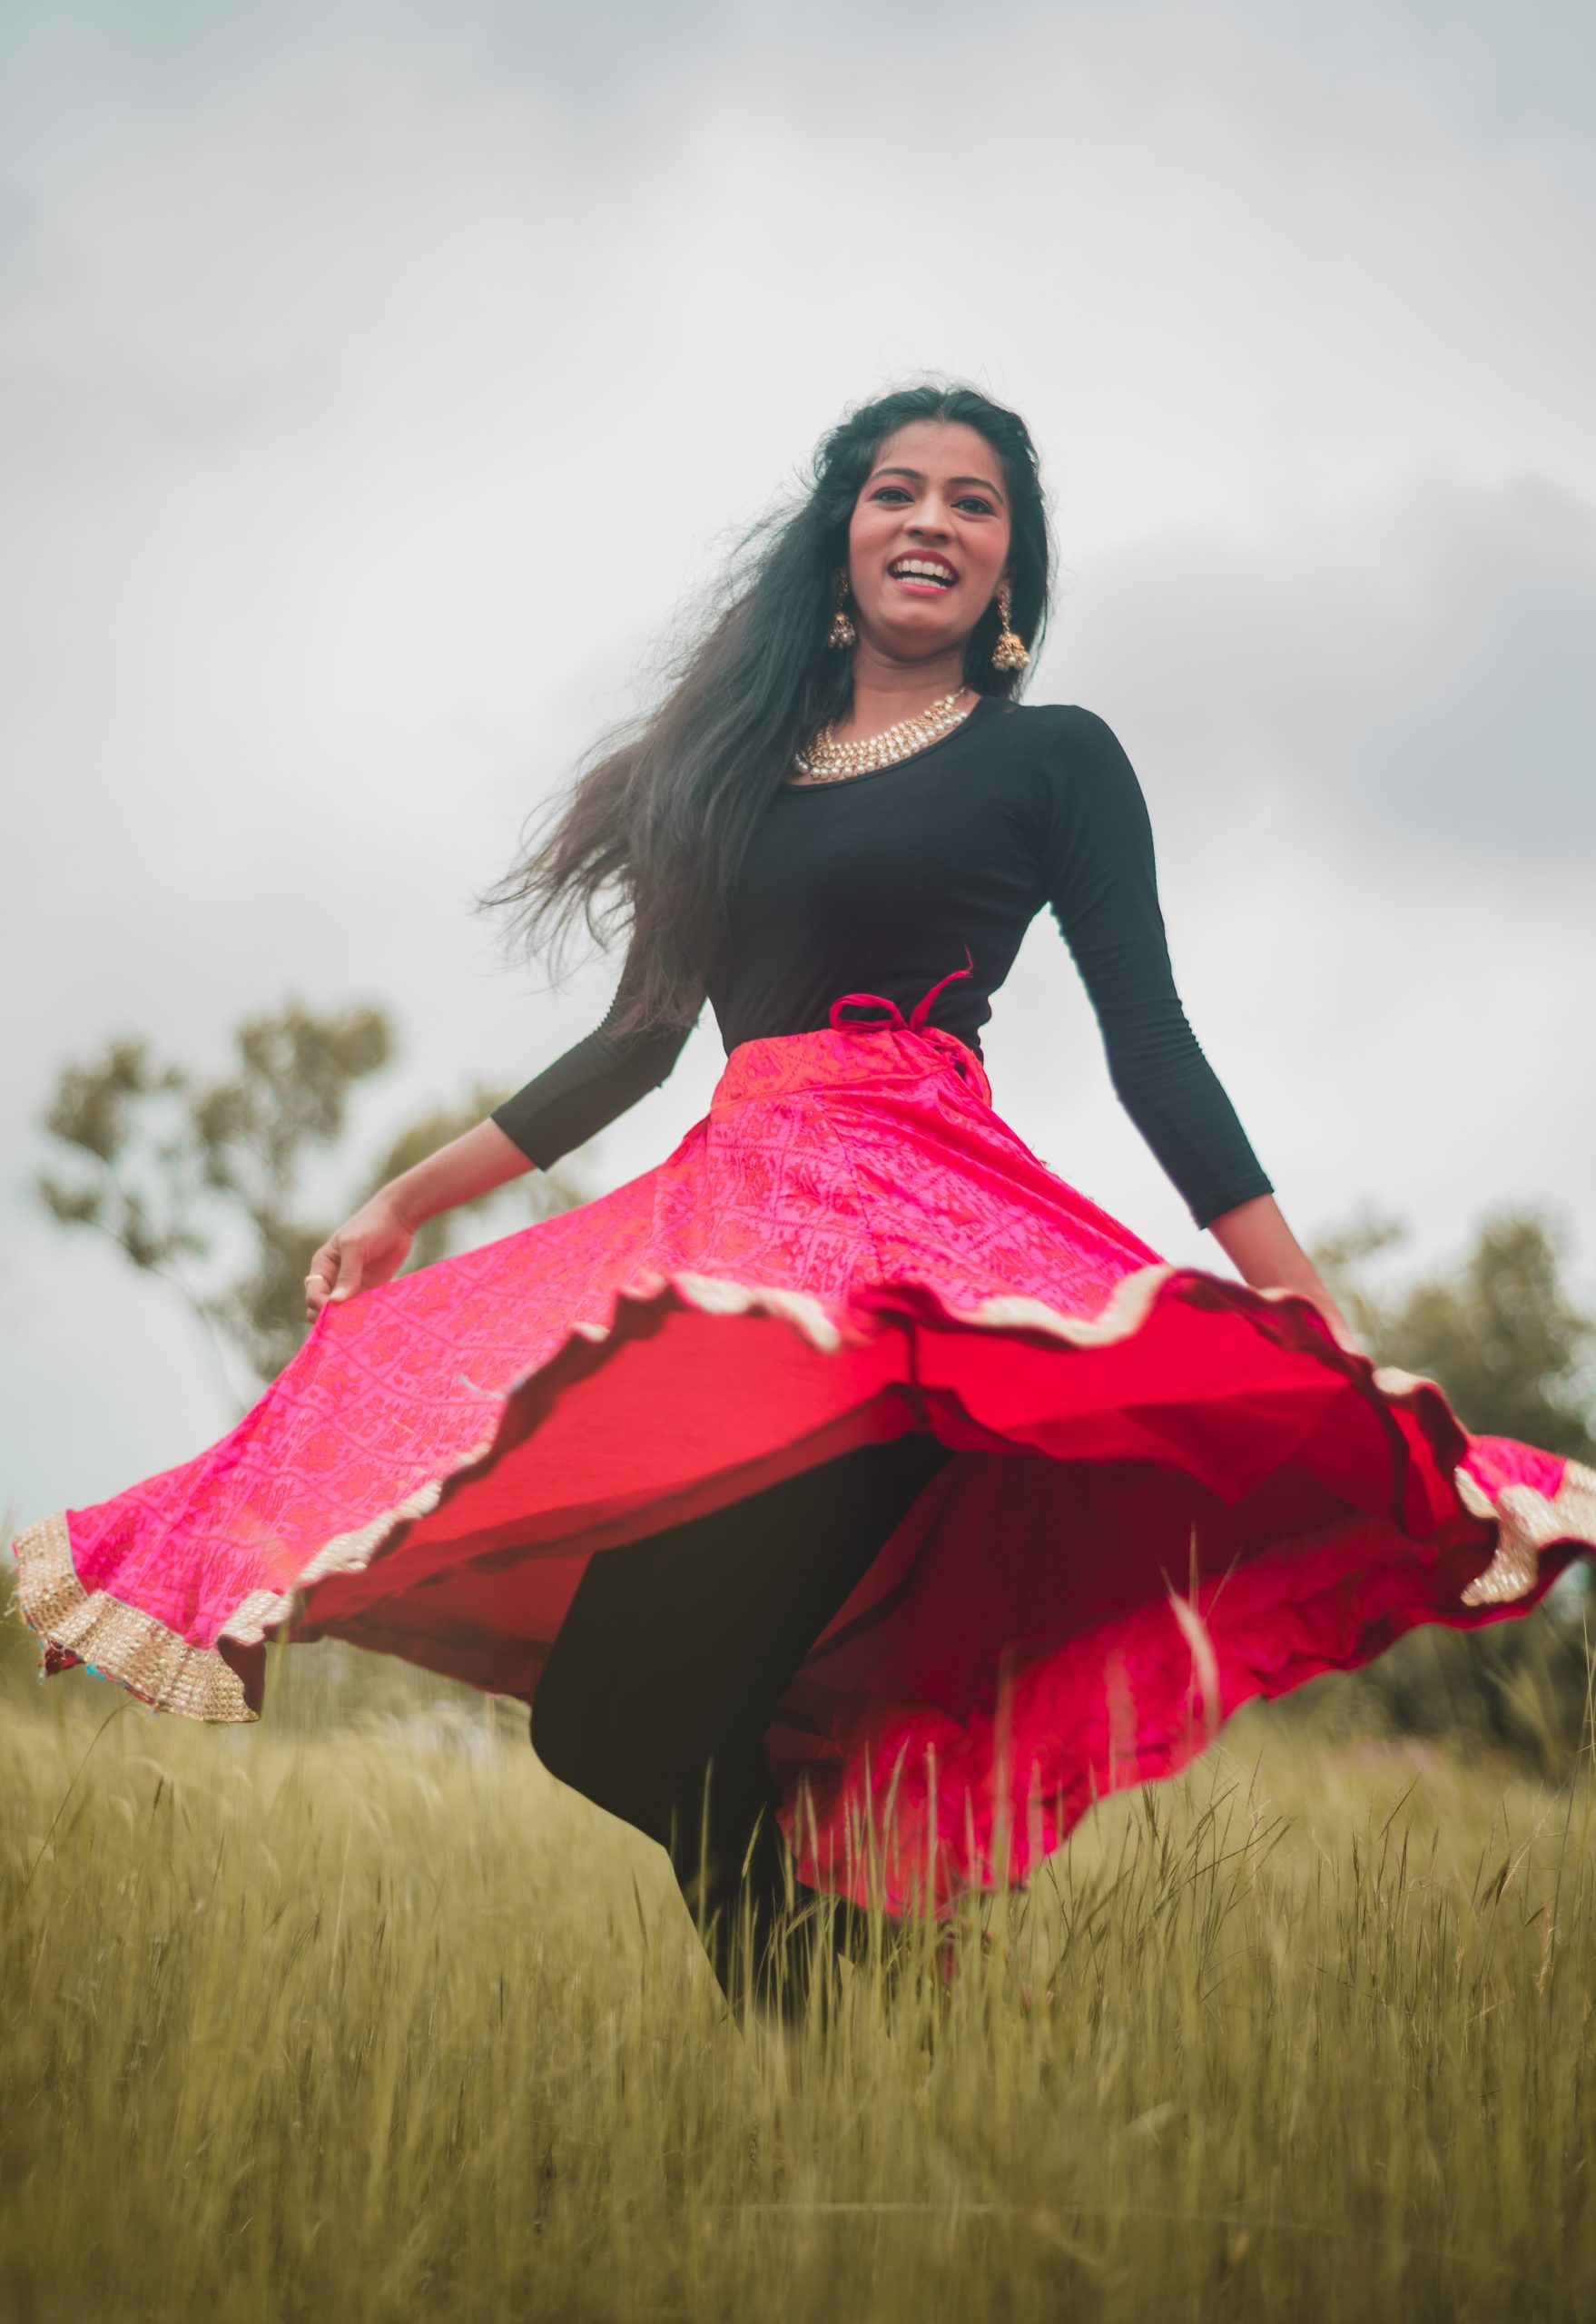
[(885, 692)]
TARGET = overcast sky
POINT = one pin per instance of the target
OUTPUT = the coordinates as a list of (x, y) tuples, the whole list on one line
[(376, 378)]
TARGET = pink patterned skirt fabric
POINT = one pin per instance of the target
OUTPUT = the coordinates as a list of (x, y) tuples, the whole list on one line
[(1170, 1492)]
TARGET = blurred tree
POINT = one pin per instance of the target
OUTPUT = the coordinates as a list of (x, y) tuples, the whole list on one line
[(185, 1174), (1500, 1333), (1504, 1339)]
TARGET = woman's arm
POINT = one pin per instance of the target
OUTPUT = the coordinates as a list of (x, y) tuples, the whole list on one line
[(1103, 886), (374, 1244), (1265, 1252)]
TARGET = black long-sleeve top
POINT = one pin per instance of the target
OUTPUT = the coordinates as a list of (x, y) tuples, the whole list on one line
[(882, 883)]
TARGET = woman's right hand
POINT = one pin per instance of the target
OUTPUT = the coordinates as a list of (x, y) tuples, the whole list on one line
[(367, 1248), (376, 1242)]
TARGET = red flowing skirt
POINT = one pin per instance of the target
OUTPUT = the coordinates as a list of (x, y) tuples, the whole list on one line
[(1170, 1492)]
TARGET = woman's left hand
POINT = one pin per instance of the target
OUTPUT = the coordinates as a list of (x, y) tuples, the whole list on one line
[(1341, 1331), (1263, 1250)]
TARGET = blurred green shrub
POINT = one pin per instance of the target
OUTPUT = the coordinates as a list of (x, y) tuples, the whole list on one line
[(205, 1183)]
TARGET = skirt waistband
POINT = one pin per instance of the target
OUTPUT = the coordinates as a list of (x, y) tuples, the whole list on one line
[(884, 1047)]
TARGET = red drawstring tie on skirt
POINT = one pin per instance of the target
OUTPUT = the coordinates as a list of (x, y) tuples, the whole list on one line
[(890, 1018)]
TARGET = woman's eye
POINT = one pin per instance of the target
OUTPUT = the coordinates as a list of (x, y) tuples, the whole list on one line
[(971, 503)]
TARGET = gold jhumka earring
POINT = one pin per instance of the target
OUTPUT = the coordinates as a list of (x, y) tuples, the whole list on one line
[(1008, 653), (842, 632)]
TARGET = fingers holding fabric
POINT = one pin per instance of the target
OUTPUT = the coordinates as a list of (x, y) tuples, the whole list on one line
[(369, 1248)]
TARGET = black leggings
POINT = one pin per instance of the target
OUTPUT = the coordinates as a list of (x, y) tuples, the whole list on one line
[(675, 1652)]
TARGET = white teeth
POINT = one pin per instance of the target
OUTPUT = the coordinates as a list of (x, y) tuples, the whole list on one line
[(909, 569)]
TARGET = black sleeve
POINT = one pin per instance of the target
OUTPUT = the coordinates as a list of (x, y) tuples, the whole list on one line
[(1103, 888), (590, 1086)]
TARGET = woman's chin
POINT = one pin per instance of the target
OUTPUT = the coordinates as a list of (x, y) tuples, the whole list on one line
[(915, 635)]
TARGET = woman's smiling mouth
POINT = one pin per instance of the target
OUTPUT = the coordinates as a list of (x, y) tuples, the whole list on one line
[(924, 576)]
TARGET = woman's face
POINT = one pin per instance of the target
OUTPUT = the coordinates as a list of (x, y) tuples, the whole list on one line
[(928, 542)]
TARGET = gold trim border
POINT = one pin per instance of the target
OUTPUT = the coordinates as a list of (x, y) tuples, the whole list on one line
[(1526, 1523), (118, 1641)]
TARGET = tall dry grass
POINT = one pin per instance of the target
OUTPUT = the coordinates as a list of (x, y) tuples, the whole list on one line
[(376, 2024)]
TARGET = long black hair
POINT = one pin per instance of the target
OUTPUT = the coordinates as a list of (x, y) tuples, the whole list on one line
[(653, 835)]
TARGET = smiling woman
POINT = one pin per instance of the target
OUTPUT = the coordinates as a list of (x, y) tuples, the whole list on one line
[(852, 1500)]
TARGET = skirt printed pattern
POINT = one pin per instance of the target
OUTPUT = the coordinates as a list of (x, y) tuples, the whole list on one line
[(1170, 1492)]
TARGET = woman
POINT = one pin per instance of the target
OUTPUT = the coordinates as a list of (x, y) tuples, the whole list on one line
[(848, 1476)]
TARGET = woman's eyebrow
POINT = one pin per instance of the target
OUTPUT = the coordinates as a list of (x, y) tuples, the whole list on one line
[(918, 477)]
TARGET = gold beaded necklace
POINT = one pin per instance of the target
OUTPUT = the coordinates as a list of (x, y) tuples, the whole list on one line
[(828, 760)]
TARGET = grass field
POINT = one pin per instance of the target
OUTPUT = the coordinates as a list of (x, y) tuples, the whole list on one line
[(374, 2023)]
